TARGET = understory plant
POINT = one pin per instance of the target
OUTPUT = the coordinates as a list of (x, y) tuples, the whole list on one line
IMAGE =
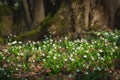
[(85, 58)]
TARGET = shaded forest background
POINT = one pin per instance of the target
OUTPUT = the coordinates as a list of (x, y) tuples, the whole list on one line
[(31, 19)]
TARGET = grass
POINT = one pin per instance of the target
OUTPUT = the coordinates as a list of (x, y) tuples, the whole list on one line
[(89, 58)]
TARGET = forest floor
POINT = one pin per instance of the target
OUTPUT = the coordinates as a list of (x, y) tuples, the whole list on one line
[(92, 58)]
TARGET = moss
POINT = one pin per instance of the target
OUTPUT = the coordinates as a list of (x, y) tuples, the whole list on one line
[(30, 35), (61, 21), (5, 20), (36, 33), (96, 26), (6, 24), (1, 40), (47, 22), (4, 10)]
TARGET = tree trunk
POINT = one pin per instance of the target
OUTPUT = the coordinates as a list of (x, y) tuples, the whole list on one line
[(112, 13), (87, 13), (27, 13), (38, 11)]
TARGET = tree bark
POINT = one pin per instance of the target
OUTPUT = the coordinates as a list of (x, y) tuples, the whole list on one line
[(27, 13), (87, 13), (38, 11), (112, 13)]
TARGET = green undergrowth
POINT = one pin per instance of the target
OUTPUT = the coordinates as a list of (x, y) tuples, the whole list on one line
[(89, 58)]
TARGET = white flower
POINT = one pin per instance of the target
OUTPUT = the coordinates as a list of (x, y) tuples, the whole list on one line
[(11, 34), (19, 47), (82, 48), (111, 53), (106, 34), (3, 57), (16, 4), (5, 50), (98, 54), (43, 54), (8, 60), (72, 59), (71, 55), (65, 59), (69, 76), (37, 42), (55, 57), (14, 36), (57, 66), (100, 50), (93, 58), (34, 42), (116, 37), (60, 40), (21, 54), (44, 60), (110, 71), (66, 38), (93, 42), (102, 59), (78, 70), (20, 42), (87, 51), (9, 44), (106, 40), (48, 56), (39, 48), (26, 79), (98, 68), (101, 38), (14, 42), (58, 55), (85, 56), (87, 66), (91, 46), (2, 69), (19, 65), (16, 69), (113, 50), (75, 53), (86, 73), (98, 34), (76, 48), (0, 53), (84, 65), (94, 68), (112, 34), (8, 75), (17, 57), (33, 60), (54, 45), (60, 47), (116, 47)]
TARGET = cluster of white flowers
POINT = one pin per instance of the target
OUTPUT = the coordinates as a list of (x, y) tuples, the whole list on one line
[(77, 53)]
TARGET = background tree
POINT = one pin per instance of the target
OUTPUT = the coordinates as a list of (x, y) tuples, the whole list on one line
[(27, 13), (68, 16), (38, 11)]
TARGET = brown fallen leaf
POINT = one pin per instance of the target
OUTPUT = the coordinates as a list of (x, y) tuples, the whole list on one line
[(38, 68), (48, 70)]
